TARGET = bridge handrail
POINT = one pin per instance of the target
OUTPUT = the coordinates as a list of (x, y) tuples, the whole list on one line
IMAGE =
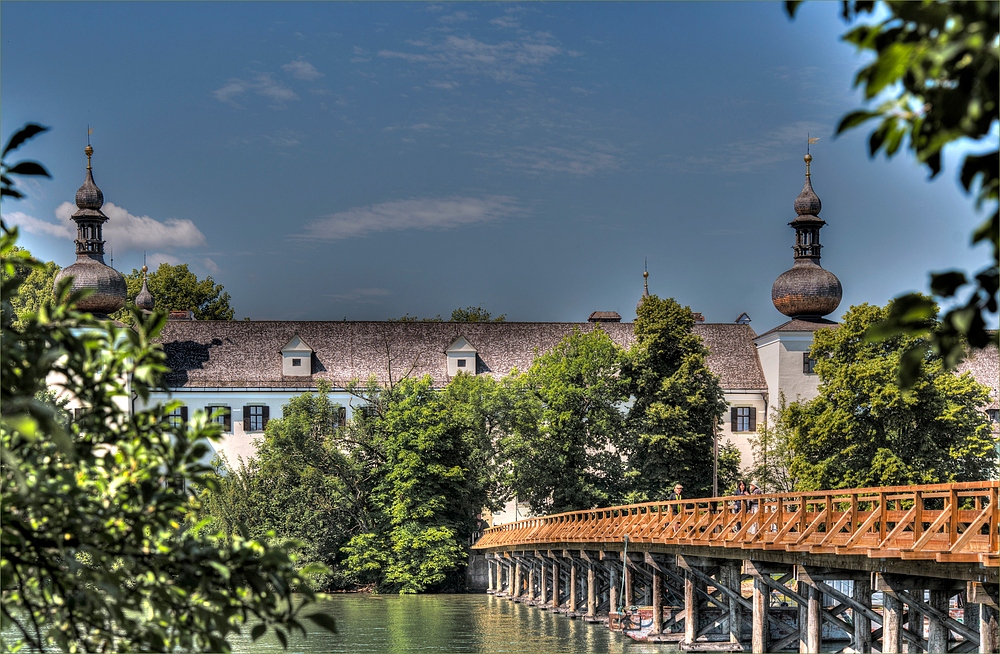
[(957, 522)]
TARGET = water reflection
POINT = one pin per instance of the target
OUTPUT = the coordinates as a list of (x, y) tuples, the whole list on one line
[(447, 623)]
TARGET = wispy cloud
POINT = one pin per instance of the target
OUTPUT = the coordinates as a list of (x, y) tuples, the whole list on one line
[(416, 213), (34, 225), (553, 159), (507, 61), (752, 155), (457, 17), (302, 69), (124, 231), (264, 85)]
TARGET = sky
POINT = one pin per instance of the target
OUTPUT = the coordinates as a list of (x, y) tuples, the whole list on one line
[(364, 161)]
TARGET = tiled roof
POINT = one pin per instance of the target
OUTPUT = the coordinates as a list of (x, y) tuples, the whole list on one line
[(800, 325), (985, 368), (246, 354)]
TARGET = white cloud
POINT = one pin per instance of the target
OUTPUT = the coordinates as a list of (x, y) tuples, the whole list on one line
[(416, 213), (552, 159), (264, 85), (505, 22), (457, 17), (154, 259), (445, 85), (34, 225), (506, 61), (126, 231), (211, 266), (302, 69), (754, 154)]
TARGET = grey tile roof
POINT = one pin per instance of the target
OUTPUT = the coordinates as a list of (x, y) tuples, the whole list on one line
[(800, 325), (246, 354)]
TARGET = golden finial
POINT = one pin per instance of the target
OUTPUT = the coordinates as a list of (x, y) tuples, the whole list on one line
[(89, 150), (144, 268), (808, 158), (645, 278)]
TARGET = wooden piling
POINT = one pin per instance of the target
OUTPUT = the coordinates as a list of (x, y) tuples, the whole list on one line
[(657, 602), (591, 590), (543, 583), (572, 585), (862, 594), (613, 582), (761, 593), (690, 608), (628, 584), (516, 590), (730, 577), (937, 631), (531, 582), (555, 585), (803, 589), (892, 616), (989, 631)]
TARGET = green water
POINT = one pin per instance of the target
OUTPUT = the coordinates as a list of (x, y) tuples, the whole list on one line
[(447, 623)]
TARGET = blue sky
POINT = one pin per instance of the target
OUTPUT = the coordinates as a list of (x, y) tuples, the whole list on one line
[(369, 160)]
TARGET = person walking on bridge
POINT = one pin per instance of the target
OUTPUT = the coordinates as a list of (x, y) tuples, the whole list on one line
[(676, 509)]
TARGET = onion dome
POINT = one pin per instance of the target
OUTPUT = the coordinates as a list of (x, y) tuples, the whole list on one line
[(144, 300), (807, 290), (89, 271)]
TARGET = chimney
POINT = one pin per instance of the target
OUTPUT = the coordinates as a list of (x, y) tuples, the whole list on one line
[(604, 316)]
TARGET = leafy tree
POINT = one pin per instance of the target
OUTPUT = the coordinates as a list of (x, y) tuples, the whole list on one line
[(864, 430), (475, 314), (729, 467), (21, 168), (428, 497), (566, 448), (295, 489), (36, 287), (97, 549), (936, 71), (772, 453), (678, 403), (175, 288)]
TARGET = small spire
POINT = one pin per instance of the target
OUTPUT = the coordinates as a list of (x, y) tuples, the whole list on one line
[(645, 279), (89, 150)]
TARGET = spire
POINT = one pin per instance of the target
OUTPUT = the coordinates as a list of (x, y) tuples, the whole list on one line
[(144, 300), (645, 279), (807, 290), (90, 271)]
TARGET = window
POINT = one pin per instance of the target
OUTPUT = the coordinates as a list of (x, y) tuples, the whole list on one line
[(77, 414), (461, 363), (743, 418), (341, 416), (177, 417), (255, 417), (296, 363), (221, 415), (808, 364), (994, 414)]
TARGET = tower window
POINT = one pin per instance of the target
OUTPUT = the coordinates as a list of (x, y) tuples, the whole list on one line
[(993, 414), (808, 364), (296, 362), (461, 363)]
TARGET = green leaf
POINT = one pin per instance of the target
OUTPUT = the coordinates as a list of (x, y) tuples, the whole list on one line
[(27, 132), (258, 631), (945, 284), (28, 168), (280, 633), (854, 119)]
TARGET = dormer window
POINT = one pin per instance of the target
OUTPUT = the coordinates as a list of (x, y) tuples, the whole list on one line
[(296, 358), (461, 357)]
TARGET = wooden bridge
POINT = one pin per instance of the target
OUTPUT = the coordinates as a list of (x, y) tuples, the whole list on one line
[(676, 571)]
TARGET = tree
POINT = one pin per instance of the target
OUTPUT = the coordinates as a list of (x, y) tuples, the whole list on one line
[(678, 403), (97, 550), (175, 288), (475, 314), (864, 430), (938, 66), (295, 489), (772, 453), (566, 447), (427, 501), (35, 288)]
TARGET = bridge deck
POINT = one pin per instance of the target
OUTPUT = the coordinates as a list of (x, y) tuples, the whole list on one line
[(946, 523)]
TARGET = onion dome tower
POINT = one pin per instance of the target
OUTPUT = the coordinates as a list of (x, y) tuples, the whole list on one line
[(90, 271), (144, 300), (807, 291)]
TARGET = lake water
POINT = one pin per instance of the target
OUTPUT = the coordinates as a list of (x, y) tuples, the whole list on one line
[(447, 623)]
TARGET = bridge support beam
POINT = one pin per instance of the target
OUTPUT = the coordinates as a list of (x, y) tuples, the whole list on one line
[(861, 593), (814, 626), (491, 568), (761, 632), (937, 630), (614, 583), (572, 585), (729, 576), (591, 589), (515, 592), (543, 583), (657, 602), (555, 585), (892, 624), (629, 598), (690, 607)]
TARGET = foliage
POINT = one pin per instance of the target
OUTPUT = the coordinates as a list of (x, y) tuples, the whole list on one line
[(567, 446), (175, 288), (937, 66), (772, 453), (678, 402), (36, 286), (97, 550), (296, 489), (475, 314), (21, 168), (729, 466), (467, 314), (864, 430), (433, 487)]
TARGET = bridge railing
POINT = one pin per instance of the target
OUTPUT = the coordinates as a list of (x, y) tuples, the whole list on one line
[(941, 522)]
